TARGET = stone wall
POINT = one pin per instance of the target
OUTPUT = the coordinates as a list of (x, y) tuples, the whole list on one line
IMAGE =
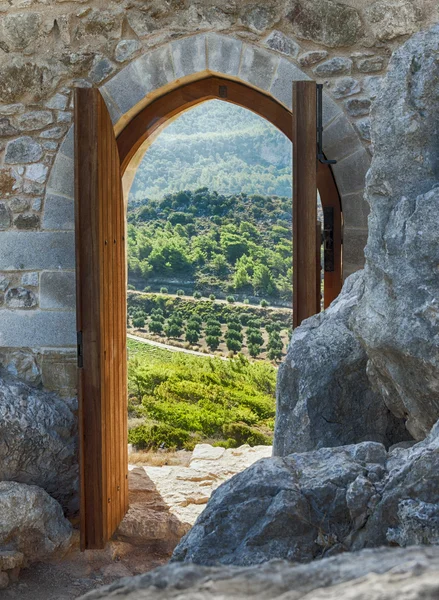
[(46, 49)]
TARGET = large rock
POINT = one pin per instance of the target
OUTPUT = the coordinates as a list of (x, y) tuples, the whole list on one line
[(384, 574), (315, 504), (38, 443), (324, 397), (397, 318), (32, 523)]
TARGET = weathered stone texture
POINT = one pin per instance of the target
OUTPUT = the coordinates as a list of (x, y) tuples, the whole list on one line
[(396, 320), (32, 523), (314, 504), (38, 433)]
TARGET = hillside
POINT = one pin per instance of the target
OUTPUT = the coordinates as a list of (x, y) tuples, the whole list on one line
[(216, 145), (213, 243)]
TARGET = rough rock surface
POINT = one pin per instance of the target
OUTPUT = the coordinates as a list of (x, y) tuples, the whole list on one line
[(324, 397), (315, 504), (38, 441), (386, 321), (32, 522), (397, 319), (379, 574)]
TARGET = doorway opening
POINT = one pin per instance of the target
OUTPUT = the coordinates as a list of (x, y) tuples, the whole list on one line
[(102, 420)]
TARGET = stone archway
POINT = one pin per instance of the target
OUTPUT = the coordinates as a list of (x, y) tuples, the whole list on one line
[(190, 59)]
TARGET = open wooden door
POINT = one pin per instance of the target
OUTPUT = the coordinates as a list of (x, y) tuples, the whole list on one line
[(101, 322)]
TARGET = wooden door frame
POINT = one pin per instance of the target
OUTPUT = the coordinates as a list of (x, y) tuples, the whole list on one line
[(165, 108)]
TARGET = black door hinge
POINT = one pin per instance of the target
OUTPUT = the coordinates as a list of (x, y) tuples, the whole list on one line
[(328, 239), (80, 349)]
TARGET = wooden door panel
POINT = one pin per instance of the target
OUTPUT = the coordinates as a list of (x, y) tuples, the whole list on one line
[(101, 319)]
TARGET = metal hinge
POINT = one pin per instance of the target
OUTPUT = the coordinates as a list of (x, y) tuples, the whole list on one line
[(320, 155), (80, 349)]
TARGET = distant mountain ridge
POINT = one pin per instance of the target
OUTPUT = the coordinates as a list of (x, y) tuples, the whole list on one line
[(219, 146)]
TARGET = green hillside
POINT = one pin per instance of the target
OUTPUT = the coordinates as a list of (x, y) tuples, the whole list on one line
[(213, 243), (216, 145)]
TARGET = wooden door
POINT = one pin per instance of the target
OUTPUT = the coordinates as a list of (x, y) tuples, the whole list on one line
[(304, 139), (101, 322)]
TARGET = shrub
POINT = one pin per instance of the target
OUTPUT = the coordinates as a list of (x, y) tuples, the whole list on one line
[(254, 336), (180, 292), (230, 299), (172, 329), (139, 322), (213, 331), (147, 288), (233, 345), (163, 290), (152, 436), (130, 286), (243, 434), (212, 297), (155, 326), (263, 303), (212, 341), (192, 336), (254, 349), (234, 325), (197, 295), (246, 301), (232, 334)]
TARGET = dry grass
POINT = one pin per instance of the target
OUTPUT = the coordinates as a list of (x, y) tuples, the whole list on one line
[(160, 458)]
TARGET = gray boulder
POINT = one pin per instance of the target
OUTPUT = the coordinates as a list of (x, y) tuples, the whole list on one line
[(32, 523), (384, 574), (324, 397), (38, 441), (316, 504), (397, 318)]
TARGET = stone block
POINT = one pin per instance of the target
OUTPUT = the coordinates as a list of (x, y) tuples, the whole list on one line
[(189, 55), (23, 150), (354, 242), (331, 110), (279, 42), (340, 139), (68, 146), (36, 250), (125, 49), (58, 290), (125, 89), (355, 210), (113, 109), (33, 120), (37, 328), (346, 86), (62, 180), (350, 173), (59, 213), (258, 67), (59, 372), (339, 65), (155, 69), (307, 59), (282, 86), (223, 54), (57, 102)]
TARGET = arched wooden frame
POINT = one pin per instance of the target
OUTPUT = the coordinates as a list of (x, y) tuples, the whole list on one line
[(157, 113)]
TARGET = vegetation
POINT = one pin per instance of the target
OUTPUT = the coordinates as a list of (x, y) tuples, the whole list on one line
[(220, 146), (234, 246), (183, 400)]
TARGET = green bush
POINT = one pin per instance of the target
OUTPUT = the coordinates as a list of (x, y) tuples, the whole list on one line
[(152, 436), (254, 336), (230, 299), (197, 295), (139, 322), (173, 330), (163, 290), (246, 301), (180, 292), (130, 286), (263, 303), (213, 330), (235, 326), (192, 336), (213, 341), (243, 434), (233, 345), (212, 297), (254, 350), (155, 326)]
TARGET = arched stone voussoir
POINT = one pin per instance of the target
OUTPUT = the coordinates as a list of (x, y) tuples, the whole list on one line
[(194, 57)]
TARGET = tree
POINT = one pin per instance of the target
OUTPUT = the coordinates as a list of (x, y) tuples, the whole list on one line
[(234, 335), (233, 345), (262, 280), (192, 336), (254, 350), (230, 299), (212, 341), (213, 330), (155, 326), (139, 322), (254, 337), (172, 329)]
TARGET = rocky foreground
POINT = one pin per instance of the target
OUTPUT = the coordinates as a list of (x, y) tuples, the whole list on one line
[(380, 574)]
